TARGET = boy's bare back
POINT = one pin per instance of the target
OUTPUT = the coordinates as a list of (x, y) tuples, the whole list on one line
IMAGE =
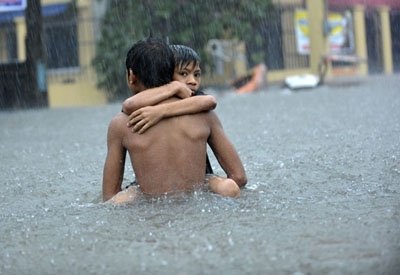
[(171, 156)]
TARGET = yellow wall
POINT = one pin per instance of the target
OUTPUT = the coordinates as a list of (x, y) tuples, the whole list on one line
[(80, 89), (81, 93)]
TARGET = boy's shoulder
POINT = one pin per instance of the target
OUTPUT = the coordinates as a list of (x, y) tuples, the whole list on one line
[(118, 121)]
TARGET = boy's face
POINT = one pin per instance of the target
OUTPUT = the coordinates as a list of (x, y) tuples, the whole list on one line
[(190, 74)]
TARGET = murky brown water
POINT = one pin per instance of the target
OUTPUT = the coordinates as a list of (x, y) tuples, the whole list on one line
[(323, 195)]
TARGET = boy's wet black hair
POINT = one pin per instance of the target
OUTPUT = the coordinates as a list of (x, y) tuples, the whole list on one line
[(152, 61), (184, 55)]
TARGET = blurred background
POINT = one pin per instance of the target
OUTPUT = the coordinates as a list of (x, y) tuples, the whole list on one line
[(63, 53)]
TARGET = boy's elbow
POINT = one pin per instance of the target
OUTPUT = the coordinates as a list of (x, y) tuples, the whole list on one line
[(213, 103), (128, 106), (125, 107)]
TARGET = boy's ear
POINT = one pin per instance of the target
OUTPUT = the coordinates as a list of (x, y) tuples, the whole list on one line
[(131, 77)]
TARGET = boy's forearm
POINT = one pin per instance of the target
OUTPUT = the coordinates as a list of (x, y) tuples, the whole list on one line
[(147, 97), (111, 180), (191, 105)]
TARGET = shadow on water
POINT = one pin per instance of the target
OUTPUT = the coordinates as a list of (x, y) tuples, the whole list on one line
[(323, 193)]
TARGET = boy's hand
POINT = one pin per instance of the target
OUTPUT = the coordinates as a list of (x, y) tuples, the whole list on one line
[(181, 90), (145, 117)]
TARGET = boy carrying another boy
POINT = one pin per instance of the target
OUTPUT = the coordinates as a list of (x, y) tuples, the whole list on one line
[(145, 111)]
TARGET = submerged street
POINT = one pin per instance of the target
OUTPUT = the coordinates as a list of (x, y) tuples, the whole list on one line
[(323, 193)]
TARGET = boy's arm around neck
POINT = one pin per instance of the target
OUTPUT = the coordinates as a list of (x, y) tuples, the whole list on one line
[(154, 96), (148, 116), (187, 106)]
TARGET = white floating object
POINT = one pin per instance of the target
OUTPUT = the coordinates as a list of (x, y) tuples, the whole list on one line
[(305, 81)]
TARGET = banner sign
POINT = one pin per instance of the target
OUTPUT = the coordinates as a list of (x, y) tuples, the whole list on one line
[(340, 32), (12, 5)]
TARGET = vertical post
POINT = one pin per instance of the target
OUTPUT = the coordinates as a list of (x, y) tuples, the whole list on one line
[(20, 26), (386, 39), (316, 10), (36, 91), (360, 37)]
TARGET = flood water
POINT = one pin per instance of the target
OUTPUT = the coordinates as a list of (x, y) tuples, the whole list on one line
[(323, 195)]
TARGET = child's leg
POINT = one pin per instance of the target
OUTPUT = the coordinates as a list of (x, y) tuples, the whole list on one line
[(223, 186), (125, 196)]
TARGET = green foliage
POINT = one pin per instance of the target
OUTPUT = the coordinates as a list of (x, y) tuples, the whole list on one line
[(191, 23)]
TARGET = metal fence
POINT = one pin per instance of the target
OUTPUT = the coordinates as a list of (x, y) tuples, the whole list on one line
[(70, 49), (70, 42), (69, 46), (277, 30), (8, 43), (395, 32)]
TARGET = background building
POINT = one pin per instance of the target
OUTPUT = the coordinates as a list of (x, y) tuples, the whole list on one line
[(71, 29)]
